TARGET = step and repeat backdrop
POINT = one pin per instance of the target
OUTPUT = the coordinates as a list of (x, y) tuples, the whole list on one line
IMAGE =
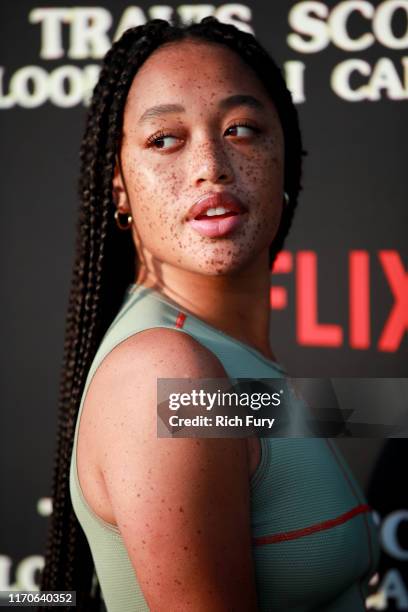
[(339, 291)]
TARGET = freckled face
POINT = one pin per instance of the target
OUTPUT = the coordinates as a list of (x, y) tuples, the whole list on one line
[(170, 160)]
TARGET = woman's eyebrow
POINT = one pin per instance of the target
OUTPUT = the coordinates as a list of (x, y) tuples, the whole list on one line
[(225, 104)]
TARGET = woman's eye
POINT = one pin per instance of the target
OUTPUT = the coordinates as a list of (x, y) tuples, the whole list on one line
[(155, 140), (245, 129)]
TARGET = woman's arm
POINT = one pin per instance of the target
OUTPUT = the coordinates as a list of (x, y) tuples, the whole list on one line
[(182, 505)]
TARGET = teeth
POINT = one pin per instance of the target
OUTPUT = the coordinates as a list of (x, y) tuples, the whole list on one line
[(220, 210)]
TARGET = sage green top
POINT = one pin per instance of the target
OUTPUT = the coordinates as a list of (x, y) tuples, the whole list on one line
[(315, 545)]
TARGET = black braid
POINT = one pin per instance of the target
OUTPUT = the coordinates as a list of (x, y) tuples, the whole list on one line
[(106, 260)]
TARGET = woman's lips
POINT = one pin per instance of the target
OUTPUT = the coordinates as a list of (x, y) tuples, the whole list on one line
[(216, 226)]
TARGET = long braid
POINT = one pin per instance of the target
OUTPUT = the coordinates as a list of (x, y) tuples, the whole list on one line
[(105, 261)]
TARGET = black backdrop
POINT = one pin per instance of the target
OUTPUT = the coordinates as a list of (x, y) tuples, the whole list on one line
[(340, 296)]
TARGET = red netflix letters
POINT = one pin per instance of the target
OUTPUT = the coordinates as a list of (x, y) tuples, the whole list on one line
[(311, 332)]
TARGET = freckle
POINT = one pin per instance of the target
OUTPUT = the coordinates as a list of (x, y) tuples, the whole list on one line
[(143, 541), (181, 509), (185, 547), (198, 530)]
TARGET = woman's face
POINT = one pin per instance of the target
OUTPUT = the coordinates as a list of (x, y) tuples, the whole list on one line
[(171, 157)]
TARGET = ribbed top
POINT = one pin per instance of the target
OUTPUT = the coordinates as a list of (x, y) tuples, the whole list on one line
[(314, 541)]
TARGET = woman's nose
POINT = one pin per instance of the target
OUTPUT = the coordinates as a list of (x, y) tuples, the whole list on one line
[(211, 162)]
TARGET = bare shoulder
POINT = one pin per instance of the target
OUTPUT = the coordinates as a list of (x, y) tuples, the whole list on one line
[(125, 385), (165, 350), (136, 363), (182, 505)]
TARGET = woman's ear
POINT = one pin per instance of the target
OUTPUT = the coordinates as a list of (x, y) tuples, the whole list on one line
[(119, 194)]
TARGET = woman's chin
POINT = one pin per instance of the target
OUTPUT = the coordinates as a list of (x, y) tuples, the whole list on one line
[(219, 265)]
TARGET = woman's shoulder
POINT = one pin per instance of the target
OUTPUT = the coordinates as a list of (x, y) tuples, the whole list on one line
[(166, 352), (123, 387)]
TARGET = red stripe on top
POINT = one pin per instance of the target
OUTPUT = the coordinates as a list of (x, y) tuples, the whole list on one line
[(299, 533), (181, 317)]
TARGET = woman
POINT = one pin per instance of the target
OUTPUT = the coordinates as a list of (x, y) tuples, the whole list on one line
[(191, 168)]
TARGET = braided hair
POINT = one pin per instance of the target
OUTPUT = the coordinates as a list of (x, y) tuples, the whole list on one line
[(106, 259)]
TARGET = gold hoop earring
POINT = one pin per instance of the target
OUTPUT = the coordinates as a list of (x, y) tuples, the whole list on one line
[(118, 222), (286, 198)]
